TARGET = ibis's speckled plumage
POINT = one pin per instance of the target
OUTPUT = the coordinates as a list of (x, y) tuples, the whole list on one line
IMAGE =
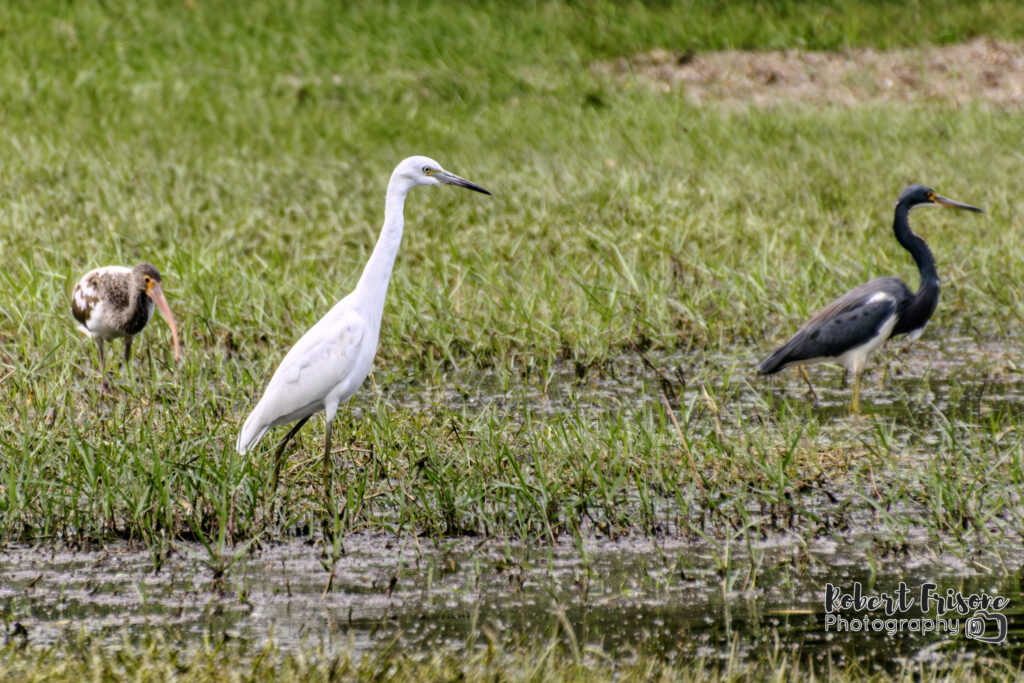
[(117, 301), (851, 327), (329, 363)]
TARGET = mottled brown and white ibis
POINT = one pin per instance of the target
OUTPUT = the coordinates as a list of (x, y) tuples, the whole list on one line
[(117, 301)]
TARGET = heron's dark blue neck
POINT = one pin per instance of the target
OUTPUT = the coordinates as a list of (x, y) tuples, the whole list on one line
[(922, 305)]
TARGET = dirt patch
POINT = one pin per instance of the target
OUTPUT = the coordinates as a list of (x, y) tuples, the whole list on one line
[(981, 70)]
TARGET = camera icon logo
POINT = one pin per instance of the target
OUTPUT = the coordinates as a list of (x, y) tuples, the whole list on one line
[(986, 627)]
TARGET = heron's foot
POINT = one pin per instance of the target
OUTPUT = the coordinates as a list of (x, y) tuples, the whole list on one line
[(810, 387)]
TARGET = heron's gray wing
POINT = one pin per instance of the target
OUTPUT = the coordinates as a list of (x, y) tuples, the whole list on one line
[(848, 322)]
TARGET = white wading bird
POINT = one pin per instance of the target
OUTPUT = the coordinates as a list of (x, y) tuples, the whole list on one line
[(329, 363)]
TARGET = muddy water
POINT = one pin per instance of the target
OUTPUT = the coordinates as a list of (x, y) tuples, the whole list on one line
[(676, 599), (926, 375), (619, 597)]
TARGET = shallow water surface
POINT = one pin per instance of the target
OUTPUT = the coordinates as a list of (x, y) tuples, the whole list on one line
[(617, 597)]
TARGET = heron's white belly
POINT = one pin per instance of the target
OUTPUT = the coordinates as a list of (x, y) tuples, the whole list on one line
[(855, 358)]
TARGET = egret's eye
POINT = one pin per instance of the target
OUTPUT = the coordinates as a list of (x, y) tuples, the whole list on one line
[(426, 170)]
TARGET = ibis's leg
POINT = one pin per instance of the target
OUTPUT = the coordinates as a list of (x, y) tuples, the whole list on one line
[(278, 459), (127, 357), (104, 387), (803, 372)]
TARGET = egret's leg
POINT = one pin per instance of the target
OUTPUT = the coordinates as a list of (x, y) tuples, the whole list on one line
[(280, 451), (328, 462), (807, 378)]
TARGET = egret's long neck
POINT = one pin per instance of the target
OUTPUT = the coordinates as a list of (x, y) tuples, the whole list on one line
[(373, 284)]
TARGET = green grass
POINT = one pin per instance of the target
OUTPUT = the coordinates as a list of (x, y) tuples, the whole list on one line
[(154, 658), (244, 149)]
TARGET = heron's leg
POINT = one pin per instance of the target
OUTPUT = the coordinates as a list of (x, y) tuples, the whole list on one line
[(855, 406), (803, 372), (280, 451), (845, 381)]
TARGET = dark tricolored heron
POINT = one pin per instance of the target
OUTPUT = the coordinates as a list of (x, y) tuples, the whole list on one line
[(851, 327)]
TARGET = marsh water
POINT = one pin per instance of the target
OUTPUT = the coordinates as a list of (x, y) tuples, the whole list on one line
[(616, 597), (680, 599)]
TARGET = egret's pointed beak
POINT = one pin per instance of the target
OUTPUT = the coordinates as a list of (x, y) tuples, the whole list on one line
[(452, 179), (156, 293), (946, 201)]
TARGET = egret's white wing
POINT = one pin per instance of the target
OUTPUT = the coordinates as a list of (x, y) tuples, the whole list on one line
[(326, 365)]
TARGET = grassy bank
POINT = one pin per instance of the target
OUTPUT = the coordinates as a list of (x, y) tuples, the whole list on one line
[(153, 658), (246, 151)]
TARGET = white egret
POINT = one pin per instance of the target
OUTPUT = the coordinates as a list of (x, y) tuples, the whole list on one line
[(329, 363)]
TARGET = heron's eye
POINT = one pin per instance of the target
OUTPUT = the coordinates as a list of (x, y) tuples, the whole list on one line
[(931, 196)]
